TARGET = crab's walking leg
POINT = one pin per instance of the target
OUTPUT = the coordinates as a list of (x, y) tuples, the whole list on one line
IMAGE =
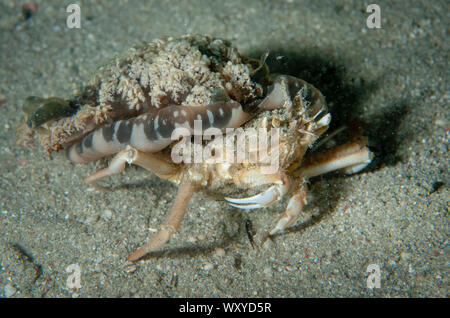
[(152, 162), (116, 166), (294, 207), (350, 157), (158, 163), (185, 192)]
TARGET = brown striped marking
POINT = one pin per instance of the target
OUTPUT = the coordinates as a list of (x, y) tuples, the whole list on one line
[(151, 132)]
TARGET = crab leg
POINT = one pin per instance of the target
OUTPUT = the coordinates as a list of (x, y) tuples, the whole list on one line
[(185, 192), (116, 166), (153, 162), (351, 157), (158, 163), (294, 207)]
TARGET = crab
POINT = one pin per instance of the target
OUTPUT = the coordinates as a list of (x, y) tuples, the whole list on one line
[(145, 108)]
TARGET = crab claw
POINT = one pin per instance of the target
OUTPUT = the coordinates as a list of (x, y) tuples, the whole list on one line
[(263, 199)]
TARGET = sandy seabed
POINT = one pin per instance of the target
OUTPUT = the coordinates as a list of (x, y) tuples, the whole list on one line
[(392, 81)]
